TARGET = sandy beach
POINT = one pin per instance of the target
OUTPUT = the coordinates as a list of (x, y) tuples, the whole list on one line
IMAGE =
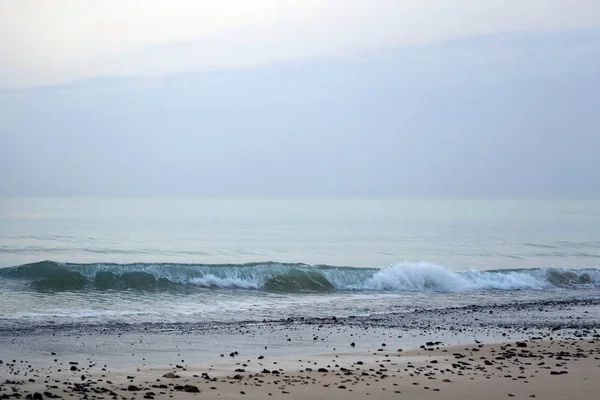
[(557, 368), (548, 350)]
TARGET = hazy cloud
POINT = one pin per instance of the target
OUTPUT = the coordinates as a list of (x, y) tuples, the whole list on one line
[(59, 41), (498, 115)]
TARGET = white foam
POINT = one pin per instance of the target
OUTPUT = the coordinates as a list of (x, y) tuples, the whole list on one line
[(424, 276), (78, 314), (210, 280)]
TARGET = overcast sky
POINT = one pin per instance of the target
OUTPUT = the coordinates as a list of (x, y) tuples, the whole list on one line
[(49, 41), (311, 97)]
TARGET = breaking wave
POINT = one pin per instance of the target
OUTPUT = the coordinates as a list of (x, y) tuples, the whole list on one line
[(280, 277)]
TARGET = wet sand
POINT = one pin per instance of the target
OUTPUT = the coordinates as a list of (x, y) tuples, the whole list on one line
[(561, 368), (548, 350)]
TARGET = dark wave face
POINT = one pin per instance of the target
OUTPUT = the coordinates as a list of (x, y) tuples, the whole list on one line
[(278, 277)]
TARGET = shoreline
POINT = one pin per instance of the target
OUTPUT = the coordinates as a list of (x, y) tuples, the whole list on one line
[(128, 343), (378, 354), (551, 314)]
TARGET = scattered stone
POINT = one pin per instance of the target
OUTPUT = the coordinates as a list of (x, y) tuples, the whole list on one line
[(191, 389)]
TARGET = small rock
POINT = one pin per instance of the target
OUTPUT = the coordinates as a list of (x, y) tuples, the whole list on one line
[(191, 389)]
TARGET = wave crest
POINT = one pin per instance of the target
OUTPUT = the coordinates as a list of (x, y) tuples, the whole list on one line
[(280, 277)]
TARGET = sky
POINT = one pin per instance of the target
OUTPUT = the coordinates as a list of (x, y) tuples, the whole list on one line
[(293, 98), (56, 41)]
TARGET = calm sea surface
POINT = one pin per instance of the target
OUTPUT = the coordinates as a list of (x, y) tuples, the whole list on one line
[(90, 260)]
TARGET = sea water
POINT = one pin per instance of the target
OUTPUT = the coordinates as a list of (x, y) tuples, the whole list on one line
[(139, 260)]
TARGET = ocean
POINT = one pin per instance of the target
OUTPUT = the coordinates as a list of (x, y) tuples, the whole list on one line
[(99, 261)]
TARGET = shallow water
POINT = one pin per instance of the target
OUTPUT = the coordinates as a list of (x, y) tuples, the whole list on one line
[(153, 260)]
